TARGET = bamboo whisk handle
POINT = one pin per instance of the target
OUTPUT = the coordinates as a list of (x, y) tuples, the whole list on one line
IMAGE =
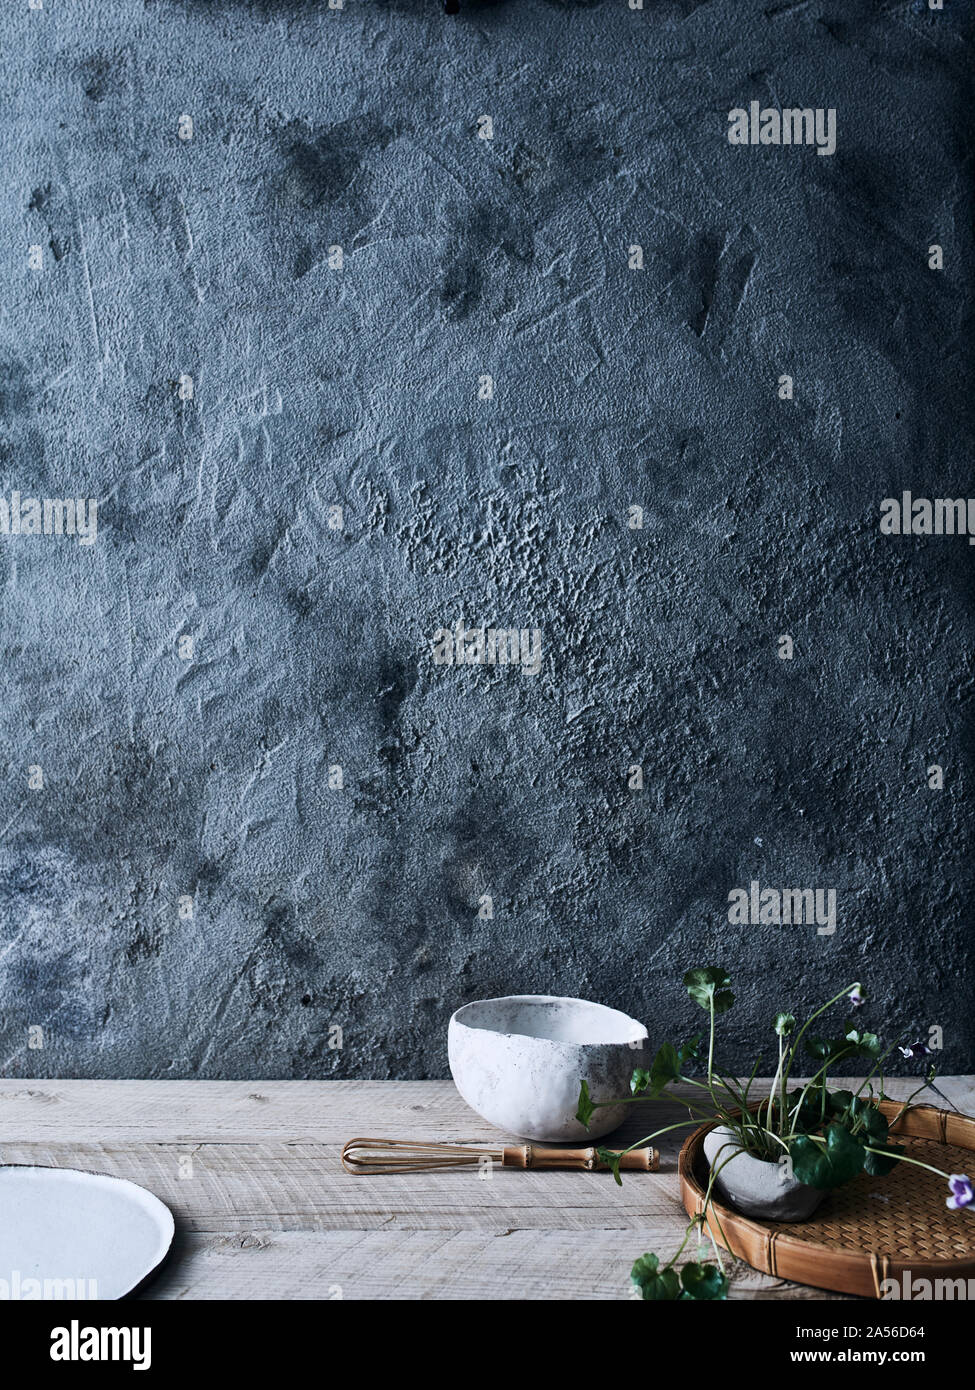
[(531, 1156)]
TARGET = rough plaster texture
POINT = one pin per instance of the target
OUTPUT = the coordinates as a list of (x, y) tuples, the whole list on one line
[(315, 387)]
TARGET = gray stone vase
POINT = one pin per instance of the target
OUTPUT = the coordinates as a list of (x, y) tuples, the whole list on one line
[(754, 1186)]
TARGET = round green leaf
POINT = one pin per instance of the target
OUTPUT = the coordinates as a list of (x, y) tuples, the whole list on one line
[(655, 1284), (703, 1282), (826, 1165), (709, 983)]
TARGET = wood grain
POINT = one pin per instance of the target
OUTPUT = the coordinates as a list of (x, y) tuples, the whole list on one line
[(426, 1265), (264, 1209)]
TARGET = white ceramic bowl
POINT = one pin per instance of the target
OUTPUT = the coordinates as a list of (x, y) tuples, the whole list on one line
[(518, 1062)]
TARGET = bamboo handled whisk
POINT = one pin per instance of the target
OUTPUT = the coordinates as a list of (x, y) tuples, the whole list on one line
[(404, 1156)]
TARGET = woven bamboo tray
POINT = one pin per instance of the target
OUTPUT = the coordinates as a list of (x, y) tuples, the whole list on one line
[(871, 1229)]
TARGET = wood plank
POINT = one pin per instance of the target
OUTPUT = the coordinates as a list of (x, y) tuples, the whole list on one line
[(394, 1264), (299, 1185), (327, 1112), (252, 1173), (293, 1187)]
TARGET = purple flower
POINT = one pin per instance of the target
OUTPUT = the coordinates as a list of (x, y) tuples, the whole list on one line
[(915, 1050), (856, 996), (961, 1192)]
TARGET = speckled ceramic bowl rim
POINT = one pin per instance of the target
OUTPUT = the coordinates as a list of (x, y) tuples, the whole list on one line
[(457, 1017)]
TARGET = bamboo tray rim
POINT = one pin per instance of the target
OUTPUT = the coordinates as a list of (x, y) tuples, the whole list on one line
[(784, 1256)]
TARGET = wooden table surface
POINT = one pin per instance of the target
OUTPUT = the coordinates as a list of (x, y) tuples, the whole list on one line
[(264, 1210)]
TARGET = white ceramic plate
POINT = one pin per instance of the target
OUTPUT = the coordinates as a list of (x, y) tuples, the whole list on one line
[(68, 1234)]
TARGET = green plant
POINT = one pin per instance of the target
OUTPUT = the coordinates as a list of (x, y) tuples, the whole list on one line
[(822, 1137)]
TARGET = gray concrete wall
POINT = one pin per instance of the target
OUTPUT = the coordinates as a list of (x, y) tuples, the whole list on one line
[(202, 777)]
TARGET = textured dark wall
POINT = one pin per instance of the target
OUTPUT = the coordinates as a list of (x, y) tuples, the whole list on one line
[(208, 778)]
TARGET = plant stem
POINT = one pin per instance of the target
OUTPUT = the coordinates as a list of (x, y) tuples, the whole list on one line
[(886, 1153), (711, 1046), (706, 1208), (782, 1103), (875, 1069), (794, 1049), (771, 1094), (901, 1158), (811, 1082), (748, 1083), (680, 1249), (641, 1143), (631, 1100)]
